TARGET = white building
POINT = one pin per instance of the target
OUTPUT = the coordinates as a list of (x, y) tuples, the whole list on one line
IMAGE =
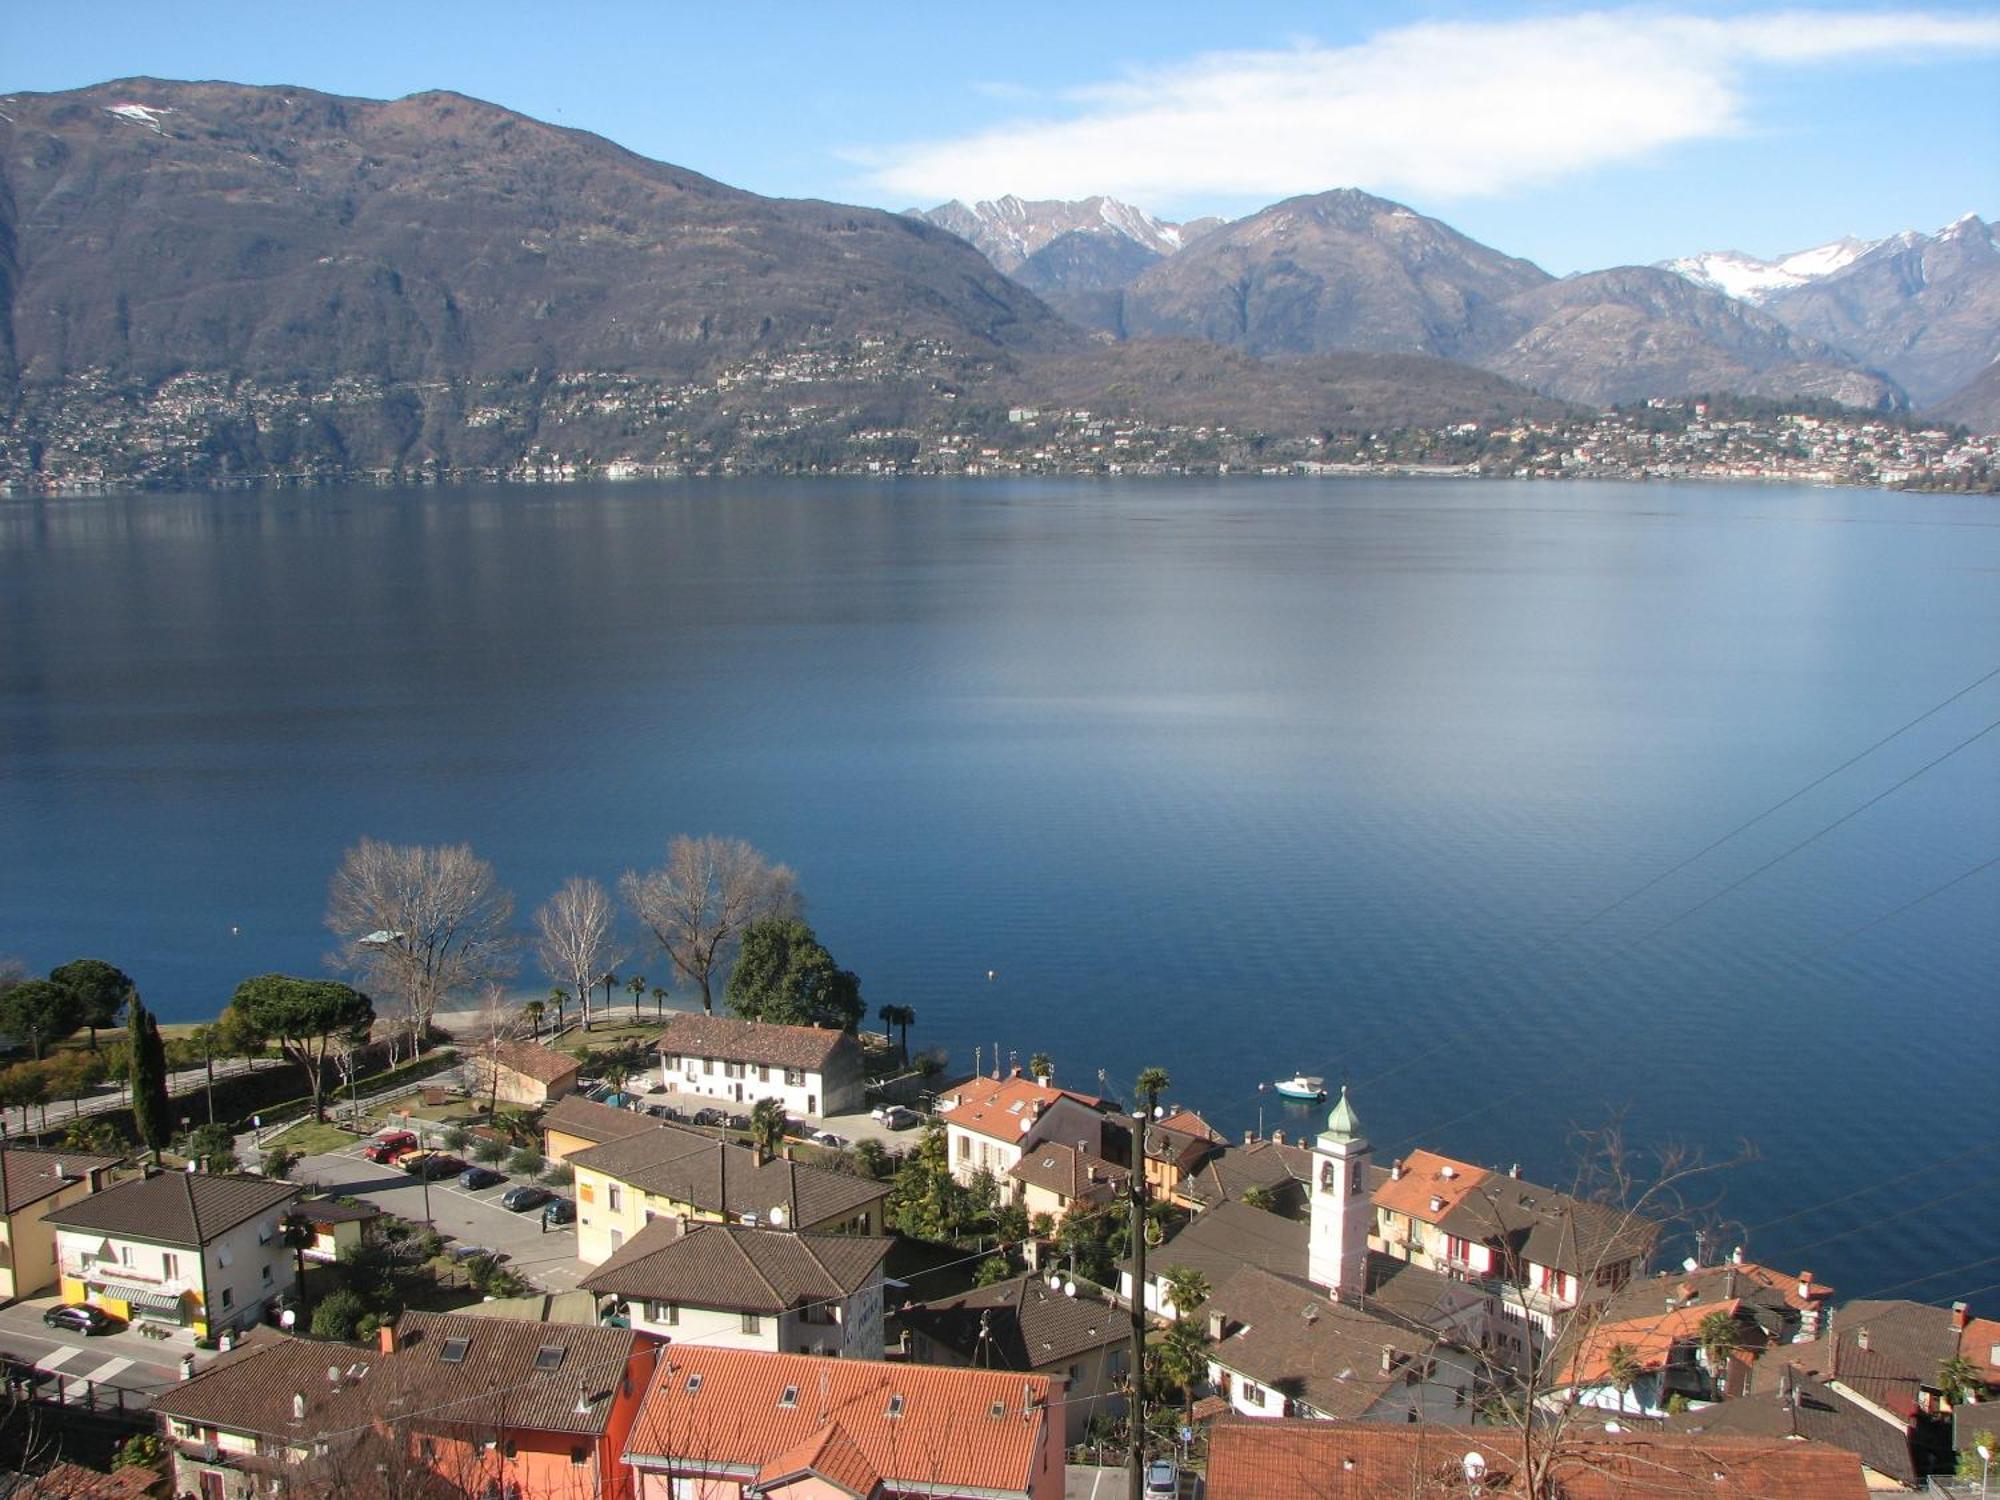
[(185, 1248), (727, 1286), (812, 1071)]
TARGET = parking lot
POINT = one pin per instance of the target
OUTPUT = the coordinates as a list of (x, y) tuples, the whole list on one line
[(850, 1128), (546, 1258)]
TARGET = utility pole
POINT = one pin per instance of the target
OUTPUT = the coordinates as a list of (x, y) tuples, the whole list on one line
[(1135, 1415)]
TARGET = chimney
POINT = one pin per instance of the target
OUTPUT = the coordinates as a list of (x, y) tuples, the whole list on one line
[(1861, 1339), (758, 1154), (787, 1150), (1277, 1137), (1388, 1358), (1736, 1256), (1249, 1137), (1959, 1313), (1805, 1286), (385, 1338), (1396, 1170), (1014, 1072), (1515, 1170), (1437, 1204)]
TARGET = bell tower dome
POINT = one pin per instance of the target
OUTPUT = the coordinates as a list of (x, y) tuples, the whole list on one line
[(1342, 1212)]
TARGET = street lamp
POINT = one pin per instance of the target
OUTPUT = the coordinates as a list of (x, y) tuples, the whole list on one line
[(1985, 1452)]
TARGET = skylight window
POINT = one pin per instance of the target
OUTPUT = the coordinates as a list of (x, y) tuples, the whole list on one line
[(454, 1351), (694, 1382), (895, 1406), (997, 1409), (790, 1397), (549, 1356)]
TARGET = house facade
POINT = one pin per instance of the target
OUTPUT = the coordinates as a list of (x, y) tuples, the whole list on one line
[(727, 1424), (38, 1183), (521, 1073), (189, 1249), (730, 1287), (1052, 1178), (812, 1071)]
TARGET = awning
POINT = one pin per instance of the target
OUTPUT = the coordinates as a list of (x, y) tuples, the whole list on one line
[(141, 1300)]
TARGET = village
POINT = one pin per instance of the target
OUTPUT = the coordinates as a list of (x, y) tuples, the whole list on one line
[(736, 1257)]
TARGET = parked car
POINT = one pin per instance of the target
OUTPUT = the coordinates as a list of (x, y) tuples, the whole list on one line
[(1163, 1478), (387, 1147), (709, 1117), (525, 1196), (437, 1164), (559, 1211), (476, 1178), (464, 1253), (81, 1317), (738, 1122), (413, 1161), (829, 1140), (898, 1117)]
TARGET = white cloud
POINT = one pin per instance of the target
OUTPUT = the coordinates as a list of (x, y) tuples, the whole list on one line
[(1438, 110)]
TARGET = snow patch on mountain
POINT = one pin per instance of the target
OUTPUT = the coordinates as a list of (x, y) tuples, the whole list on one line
[(1749, 279)]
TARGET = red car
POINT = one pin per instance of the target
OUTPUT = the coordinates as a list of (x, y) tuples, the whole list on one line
[(386, 1148)]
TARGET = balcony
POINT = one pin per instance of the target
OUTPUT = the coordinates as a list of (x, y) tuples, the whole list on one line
[(113, 1275)]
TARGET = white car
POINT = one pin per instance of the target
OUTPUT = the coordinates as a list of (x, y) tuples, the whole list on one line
[(828, 1139)]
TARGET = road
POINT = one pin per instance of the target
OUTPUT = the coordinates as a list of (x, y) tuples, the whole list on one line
[(547, 1259), (125, 1361), (186, 1087)]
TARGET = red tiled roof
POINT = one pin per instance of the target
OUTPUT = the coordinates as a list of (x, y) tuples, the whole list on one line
[(68, 1481), (1001, 1108), (1980, 1343), (1187, 1122), (1424, 1179), (829, 1454), (1650, 1338), (1070, 1173), (924, 1427), (1310, 1460), (764, 1042)]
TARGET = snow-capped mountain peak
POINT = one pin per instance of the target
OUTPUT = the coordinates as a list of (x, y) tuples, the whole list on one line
[(1750, 279), (1009, 229)]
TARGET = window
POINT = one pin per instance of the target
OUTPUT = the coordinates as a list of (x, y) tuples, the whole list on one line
[(124, 1255), (763, 1073), (668, 1313), (708, 1065), (1253, 1393), (790, 1398), (796, 1077), (732, 1070), (170, 1265), (753, 1323), (549, 1356), (509, 1449), (428, 1448), (614, 1198), (454, 1351), (578, 1457), (229, 1296), (964, 1147), (267, 1274), (617, 1237), (670, 1060), (895, 1407), (694, 1383)]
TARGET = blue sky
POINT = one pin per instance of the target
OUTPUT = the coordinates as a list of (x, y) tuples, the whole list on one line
[(1577, 137)]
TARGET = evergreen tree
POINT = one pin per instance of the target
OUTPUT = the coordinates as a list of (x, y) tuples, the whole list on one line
[(152, 1109)]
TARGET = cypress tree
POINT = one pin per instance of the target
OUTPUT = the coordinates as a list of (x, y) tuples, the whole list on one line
[(152, 1110)]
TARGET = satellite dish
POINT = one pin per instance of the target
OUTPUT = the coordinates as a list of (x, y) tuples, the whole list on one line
[(1026, 1125), (1055, 1281), (777, 1215), (1690, 1264), (1069, 1288), (1474, 1465)]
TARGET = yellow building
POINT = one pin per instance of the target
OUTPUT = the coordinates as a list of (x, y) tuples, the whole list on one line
[(624, 1184), (37, 1184)]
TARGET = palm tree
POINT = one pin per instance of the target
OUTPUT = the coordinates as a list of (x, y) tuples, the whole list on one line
[(1183, 1357), (534, 1011), (637, 985), (1150, 1085), (1958, 1379), (659, 1001), (767, 1126), (1622, 1361), (903, 1018), (615, 1071), (558, 997), (1187, 1289), (1258, 1196), (1041, 1067), (887, 1016), (1717, 1334)]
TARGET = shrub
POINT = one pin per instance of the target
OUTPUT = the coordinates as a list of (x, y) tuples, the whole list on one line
[(993, 1268), (338, 1315), (559, 1174), (457, 1138), (279, 1161), (141, 1451), (528, 1162), (489, 1151)]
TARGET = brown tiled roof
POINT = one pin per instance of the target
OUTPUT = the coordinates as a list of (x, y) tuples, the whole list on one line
[(68, 1481), (1807, 1409), (1227, 1237), (588, 1120), (1314, 1460), (1884, 1351), (1187, 1122), (737, 1268), (496, 1382), (952, 1429), (1070, 1173), (760, 1042), (1286, 1335), (176, 1208), (829, 1454), (533, 1060), (1018, 1324), (716, 1177), (1771, 1297), (1545, 1226), (1227, 1173), (332, 1211), (29, 1173), (998, 1108)]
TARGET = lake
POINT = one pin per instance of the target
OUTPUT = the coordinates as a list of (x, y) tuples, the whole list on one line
[(1398, 782)]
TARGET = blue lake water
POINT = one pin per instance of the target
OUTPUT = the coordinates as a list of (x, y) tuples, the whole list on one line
[(1239, 779)]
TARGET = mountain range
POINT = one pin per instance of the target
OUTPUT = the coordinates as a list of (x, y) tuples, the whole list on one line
[(240, 279)]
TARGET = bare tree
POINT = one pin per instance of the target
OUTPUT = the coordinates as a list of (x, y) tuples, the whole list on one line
[(486, 1035), (421, 923), (575, 940), (697, 904)]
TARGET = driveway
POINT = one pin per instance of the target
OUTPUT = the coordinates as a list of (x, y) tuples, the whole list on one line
[(548, 1260)]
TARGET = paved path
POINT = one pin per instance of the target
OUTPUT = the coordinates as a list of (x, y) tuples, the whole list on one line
[(125, 1362), (188, 1088)]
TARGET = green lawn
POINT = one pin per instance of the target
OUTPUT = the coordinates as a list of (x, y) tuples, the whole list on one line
[(455, 1108), (313, 1139)]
